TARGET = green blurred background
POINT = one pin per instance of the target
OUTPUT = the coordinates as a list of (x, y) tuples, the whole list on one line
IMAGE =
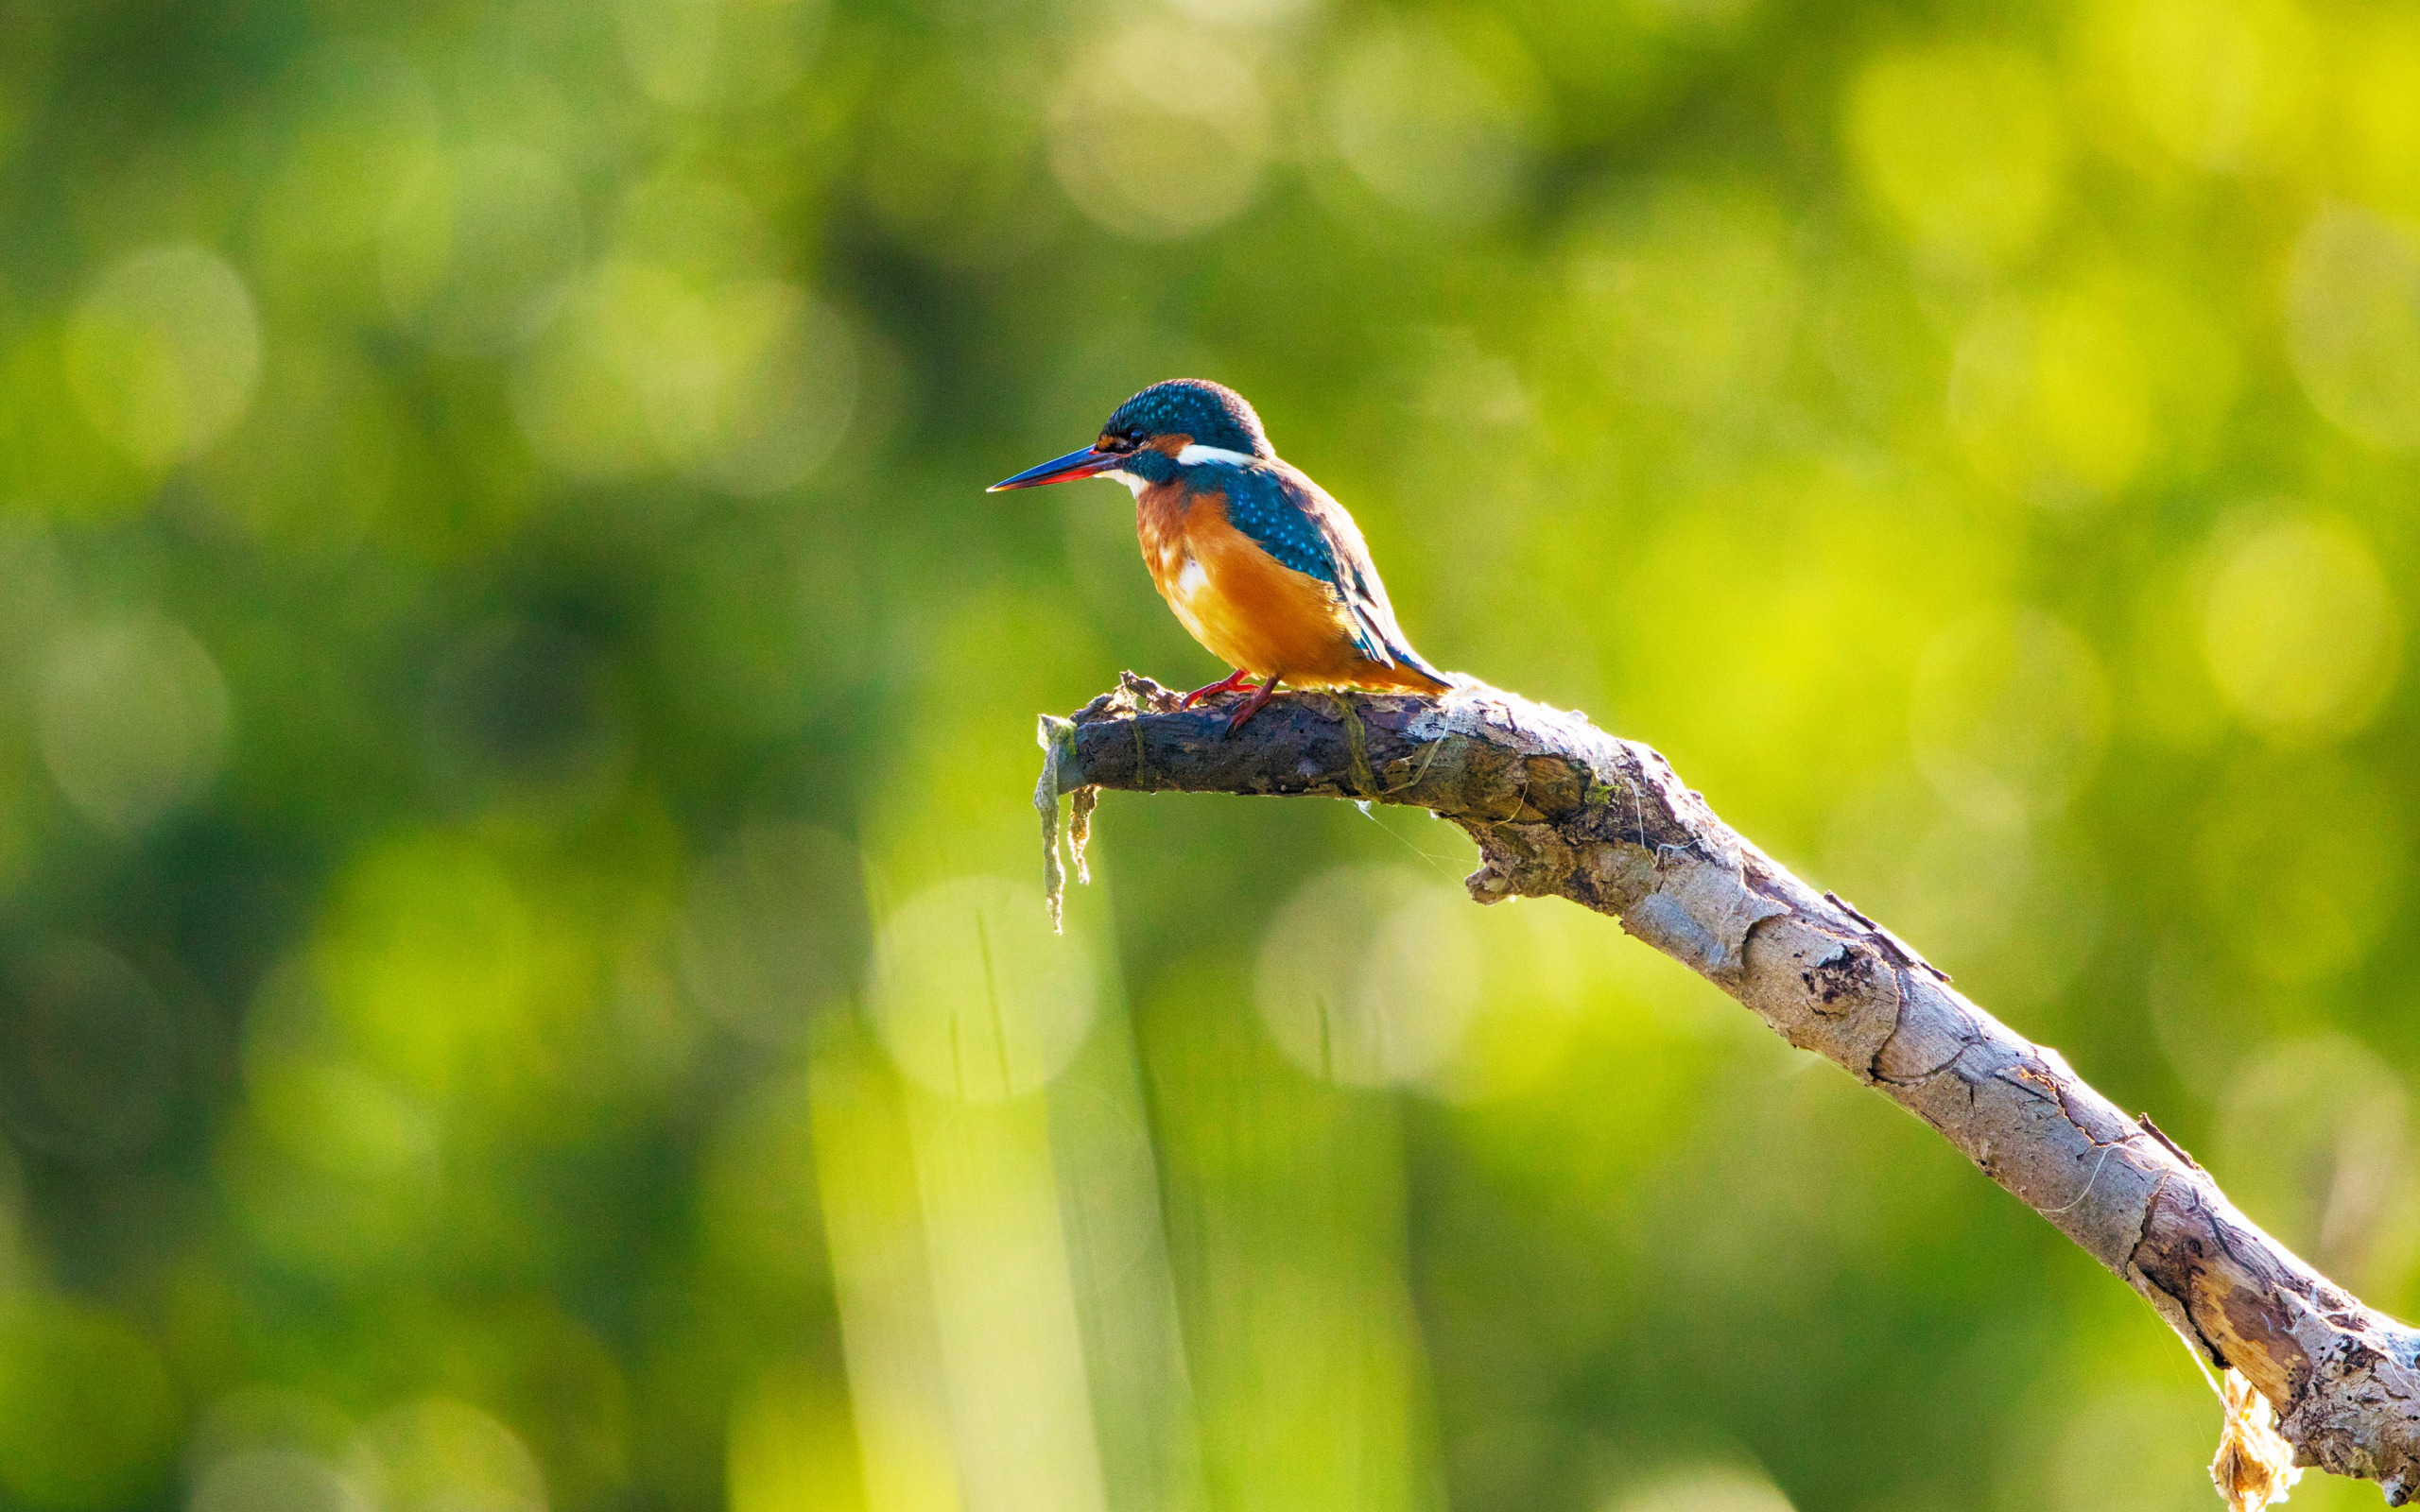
[(522, 973)]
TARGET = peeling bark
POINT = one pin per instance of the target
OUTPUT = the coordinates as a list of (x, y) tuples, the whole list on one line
[(1560, 808)]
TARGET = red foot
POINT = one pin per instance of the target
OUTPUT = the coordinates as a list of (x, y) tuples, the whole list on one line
[(1259, 700), (1231, 682)]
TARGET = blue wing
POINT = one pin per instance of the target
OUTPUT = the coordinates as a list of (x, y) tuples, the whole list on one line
[(1293, 520), (1260, 503)]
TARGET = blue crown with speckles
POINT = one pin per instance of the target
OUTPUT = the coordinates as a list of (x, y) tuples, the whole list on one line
[(1212, 414)]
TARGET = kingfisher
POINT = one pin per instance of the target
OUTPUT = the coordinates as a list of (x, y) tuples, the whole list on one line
[(1259, 564)]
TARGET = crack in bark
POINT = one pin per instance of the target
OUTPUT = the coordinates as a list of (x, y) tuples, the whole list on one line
[(1560, 809), (1892, 946), (2157, 1281), (1919, 1079), (2051, 1090)]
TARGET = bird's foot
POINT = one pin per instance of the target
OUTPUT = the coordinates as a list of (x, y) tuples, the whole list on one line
[(1259, 700), (1233, 683)]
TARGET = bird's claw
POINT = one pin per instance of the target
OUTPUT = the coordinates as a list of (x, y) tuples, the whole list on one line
[(1231, 682), (1259, 700)]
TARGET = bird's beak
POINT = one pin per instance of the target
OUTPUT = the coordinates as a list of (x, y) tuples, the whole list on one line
[(1077, 464)]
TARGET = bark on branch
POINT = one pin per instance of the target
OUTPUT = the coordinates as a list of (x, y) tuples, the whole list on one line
[(1560, 808)]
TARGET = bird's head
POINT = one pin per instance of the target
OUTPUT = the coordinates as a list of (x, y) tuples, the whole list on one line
[(1168, 427)]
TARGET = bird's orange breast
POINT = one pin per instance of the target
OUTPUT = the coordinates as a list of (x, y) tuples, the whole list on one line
[(1250, 610)]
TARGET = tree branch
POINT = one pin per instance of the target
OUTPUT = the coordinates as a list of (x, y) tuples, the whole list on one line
[(1560, 808)]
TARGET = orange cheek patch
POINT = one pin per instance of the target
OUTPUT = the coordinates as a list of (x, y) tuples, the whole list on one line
[(1171, 445)]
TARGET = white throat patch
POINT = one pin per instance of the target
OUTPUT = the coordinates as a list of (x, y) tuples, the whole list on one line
[(1196, 455), (1133, 484)]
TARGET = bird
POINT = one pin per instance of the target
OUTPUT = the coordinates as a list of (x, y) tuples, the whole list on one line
[(1266, 569)]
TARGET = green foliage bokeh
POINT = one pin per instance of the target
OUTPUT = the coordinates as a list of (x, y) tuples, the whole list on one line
[(522, 972)]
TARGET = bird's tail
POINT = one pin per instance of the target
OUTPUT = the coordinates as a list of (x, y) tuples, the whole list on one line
[(1383, 644), (1410, 661)]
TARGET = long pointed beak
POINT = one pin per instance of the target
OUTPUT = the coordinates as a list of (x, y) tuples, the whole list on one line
[(1077, 464)]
